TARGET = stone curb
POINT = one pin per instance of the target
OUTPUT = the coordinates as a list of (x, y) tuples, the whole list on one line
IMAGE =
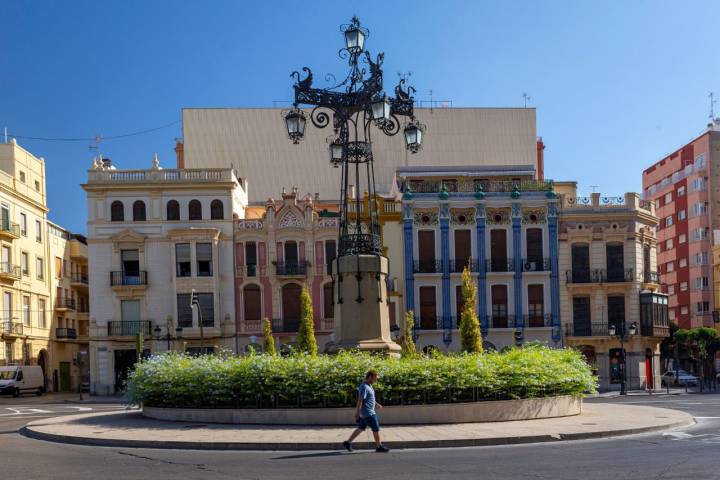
[(279, 446)]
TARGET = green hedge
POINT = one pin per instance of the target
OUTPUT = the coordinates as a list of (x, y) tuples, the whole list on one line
[(252, 381)]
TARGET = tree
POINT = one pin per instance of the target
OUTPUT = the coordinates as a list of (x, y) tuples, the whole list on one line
[(306, 331), (406, 342), (470, 338), (703, 343), (269, 340)]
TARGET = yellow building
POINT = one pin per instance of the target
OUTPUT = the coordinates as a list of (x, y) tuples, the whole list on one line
[(28, 286)]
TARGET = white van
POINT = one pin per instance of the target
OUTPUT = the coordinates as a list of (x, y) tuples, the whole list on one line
[(17, 379)]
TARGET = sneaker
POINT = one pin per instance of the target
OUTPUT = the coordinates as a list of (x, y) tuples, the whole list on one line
[(382, 449), (348, 446)]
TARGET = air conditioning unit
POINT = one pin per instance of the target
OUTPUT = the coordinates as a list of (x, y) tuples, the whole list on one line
[(530, 266)]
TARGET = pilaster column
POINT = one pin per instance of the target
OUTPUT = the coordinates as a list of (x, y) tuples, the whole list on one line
[(407, 209), (554, 274), (482, 279), (517, 259), (445, 259)]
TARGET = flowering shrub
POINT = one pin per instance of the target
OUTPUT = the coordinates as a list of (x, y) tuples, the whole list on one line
[(264, 381)]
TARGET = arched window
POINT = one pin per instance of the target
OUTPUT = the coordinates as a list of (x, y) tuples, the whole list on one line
[(216, 210), (117, 211), (195, 210), (173, 210), (139, 211), (252, 303)]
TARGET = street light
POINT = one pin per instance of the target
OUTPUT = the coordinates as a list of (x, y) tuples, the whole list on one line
[(381, 109), (613, 331), (295, 121), (413, 136), (168, 327), (336, 152), (355, 36)]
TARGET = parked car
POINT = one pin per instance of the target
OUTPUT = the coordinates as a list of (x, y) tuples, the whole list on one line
[(17, 379), (682, 378)]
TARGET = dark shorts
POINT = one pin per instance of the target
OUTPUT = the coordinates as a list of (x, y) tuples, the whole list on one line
[(371, 421)]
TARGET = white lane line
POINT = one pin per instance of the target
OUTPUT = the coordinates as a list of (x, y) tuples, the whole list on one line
[(706, 418), (678, 435)]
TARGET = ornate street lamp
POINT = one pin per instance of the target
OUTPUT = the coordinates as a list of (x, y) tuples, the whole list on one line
[(353, 106), (621, 333)]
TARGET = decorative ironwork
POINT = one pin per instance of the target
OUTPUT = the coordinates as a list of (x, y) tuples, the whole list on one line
[(352, 106), (534, 216), (462, 216), (497, 216), (425, 217)]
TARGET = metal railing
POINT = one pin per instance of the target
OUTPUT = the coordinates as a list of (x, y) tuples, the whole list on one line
[(10, 227), (427, 266), (11, 328), (459, 265), (291, 268), (429, 323), (78, 277), (581, 275), (616, 275), (536, 265), (10, 270), (128, 278), (121, 328), (470, 186), (65, 303), (500, 265), (539, 320), (586, 329), (503, 321), (65, 333), (285, 325)]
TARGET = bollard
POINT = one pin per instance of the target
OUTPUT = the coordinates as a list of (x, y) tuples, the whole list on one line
[(667, 386)]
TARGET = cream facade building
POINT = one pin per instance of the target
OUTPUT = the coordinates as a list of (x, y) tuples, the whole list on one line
[(154, 236), (609, 280)]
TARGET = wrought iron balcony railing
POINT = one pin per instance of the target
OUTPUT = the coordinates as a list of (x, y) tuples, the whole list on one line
[(65, 333), (538, 320), (616, 275), (10, 228), (581, 275), (285, 325), (9, 270), (128, 278), (500, 265), (427, 266), (429, 323), (122, 328), (11, 328), (65, 303), (298, 268), (650, 276), (78, 277), (459, 265)]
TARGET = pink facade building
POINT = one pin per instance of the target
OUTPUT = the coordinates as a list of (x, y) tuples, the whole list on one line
[(685, 187)]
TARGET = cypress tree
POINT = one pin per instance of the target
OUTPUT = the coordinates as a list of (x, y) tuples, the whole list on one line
[(470, 338), (306, 331), (269, 340), (406, 343)]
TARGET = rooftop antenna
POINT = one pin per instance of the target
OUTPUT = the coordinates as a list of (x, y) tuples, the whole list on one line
[(96, 145), (526, 97), (431, 101), (594, 187), (711, 95)]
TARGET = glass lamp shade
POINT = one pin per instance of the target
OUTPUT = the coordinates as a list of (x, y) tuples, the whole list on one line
[(381, 109), (632, 330), (336, 154), (295, 122), (611, 330), (354, 40), (413, 137)]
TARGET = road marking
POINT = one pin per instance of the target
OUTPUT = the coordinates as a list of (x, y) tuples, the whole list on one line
[(82, 409), (678, 435), (706, 418)]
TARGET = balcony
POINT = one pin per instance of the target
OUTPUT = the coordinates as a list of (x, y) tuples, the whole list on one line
[(535, 321), (427, 266), (586, 329), (9, 271), (127, 328), (500, 265), (536, 265), (11, 329), (65, 333), (63, 304), (457, 266), (616, 275), (285, 325), (429, 323), (128, 279), (79, 280), (252, 270), (501, 321), (291, 269), (9, 230)]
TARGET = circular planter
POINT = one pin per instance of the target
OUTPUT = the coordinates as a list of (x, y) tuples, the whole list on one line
[(494, 411)]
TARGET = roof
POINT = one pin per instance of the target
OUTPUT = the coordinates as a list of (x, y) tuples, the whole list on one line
[(468, 171), (254, 142)]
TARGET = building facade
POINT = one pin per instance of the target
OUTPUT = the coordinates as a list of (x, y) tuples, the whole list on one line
[(501, 222), (154, 237), (609, 281), (683, 186)]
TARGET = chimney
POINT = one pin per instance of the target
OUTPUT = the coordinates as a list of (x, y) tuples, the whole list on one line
[(180, 152), (540, 159)]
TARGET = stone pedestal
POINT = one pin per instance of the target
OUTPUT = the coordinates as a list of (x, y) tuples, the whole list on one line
[(362, 319)]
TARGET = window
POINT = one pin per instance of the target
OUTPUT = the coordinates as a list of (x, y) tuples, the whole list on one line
[(330, 254), (428, 312), (462, 250), (37, 186), (668, 221), (139, 211), (251, 258), (22, 176), (328, 302), (668, 198), (117, 211), (207, 308), (616, 311), (58, 267), (182, 260), (498, 250), (41, 312), (700, 161), (536, 308), (216, 210), (7, 307), (700, 234), (582, 324), (670, 267), (698, 184), (23, 224), (699, 209), (580, 263), (701, 258), (9, 357), (614, 253), (25, 263), (184, 311), (38, 231), (26, 310), (426, 251), (682, 238), (671, 289), (681, 191), (130, 261), (203, 252), (668, 244), (252, 305), (173, 210), (683, 286), (682, 215), (195, 210), (499, 298), (683, 309), (533, 237), (701, 283), (702, 308), (682, 263), (40, 269), (130, 310)]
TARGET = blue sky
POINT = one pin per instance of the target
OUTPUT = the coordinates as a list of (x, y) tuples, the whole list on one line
[(616, 84)]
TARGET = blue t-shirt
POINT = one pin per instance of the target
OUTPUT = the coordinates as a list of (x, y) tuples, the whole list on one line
[(367, 394)]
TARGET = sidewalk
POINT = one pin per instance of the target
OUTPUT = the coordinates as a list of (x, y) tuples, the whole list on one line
[(131, 429)]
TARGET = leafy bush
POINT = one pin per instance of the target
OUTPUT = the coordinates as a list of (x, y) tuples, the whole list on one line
[(265, 381)]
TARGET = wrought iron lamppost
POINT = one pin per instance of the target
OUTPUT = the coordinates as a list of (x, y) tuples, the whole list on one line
[(168, 328), (356, 106), (621, 334)]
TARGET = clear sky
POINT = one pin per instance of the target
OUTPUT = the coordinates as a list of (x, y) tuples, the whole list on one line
[(617, 84)]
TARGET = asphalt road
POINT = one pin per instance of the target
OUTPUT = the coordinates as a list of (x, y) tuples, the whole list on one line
[(690, 453)]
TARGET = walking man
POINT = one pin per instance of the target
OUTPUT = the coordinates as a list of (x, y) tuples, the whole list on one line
[(365, 415)]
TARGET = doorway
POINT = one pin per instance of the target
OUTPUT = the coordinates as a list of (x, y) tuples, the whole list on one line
[(291, 307), (64, 376)]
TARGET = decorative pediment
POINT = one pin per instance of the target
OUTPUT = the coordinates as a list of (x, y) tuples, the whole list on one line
[(534, 216), (290, 219), (497, 216), (128, 236), (462, 216), (425, 216)]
